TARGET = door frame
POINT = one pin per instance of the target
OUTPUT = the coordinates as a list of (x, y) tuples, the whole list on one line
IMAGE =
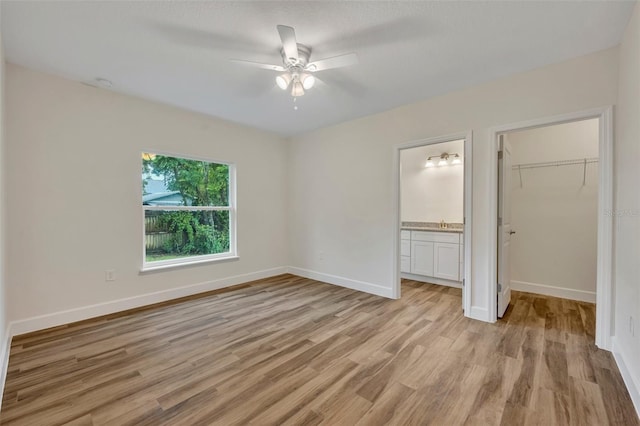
[(468, 208), (604, 287)]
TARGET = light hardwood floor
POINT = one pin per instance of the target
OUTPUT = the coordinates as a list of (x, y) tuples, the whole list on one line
[(289, 350)]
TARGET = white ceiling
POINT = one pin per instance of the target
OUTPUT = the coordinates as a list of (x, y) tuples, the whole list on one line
[(178, 52)]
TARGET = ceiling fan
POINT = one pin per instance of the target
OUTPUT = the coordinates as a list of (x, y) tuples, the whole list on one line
[(297, 71)]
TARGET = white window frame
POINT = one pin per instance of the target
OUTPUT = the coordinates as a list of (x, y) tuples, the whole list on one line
[(197, 259)]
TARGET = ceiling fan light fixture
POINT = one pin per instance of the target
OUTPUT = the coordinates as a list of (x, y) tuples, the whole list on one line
[(297, 89), (283, 80), (297, 72), (308, 80)]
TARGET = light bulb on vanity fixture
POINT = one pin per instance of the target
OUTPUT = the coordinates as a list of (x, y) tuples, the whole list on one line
[(444, 160)]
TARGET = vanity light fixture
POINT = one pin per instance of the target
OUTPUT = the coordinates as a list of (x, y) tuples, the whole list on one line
[(443, 160)]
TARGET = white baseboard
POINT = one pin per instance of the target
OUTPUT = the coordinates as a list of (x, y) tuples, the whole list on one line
[(378, 290), (431, 280), (565, 293), (78, 314), (4, 359), (55, 319), (480, 314), (631, 380)]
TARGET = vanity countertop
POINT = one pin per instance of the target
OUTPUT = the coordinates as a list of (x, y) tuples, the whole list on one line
[(432, 227)]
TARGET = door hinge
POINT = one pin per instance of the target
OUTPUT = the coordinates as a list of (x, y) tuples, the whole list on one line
[(499, 288), (500, 154), (463, 282), (499, 221)]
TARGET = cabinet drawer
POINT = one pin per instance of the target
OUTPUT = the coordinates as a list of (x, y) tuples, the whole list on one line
[(405, 235), (405, 248), (436, 237)]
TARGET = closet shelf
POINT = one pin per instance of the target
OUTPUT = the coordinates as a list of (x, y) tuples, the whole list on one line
[(578, 162), (581, 161)]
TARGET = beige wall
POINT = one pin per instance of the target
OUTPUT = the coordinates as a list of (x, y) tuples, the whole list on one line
[(74, 203), (341, 201), (431, 194), (627, 204), (555, 216), (3, 273)]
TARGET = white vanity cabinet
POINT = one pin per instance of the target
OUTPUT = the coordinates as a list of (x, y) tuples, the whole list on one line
[(432, 254), (405, 251), (446, 262), (422, 258)]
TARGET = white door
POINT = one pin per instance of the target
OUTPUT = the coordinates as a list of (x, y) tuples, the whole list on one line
[(504, 225)]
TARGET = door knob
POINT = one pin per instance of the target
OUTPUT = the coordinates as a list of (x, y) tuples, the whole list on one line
[(512, 232)]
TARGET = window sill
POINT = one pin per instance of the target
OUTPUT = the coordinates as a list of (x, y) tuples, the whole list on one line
[(155, 268)]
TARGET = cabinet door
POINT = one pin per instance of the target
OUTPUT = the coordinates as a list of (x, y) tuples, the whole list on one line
[(405, 248), (405, 264), (447, 261), (422, 258)]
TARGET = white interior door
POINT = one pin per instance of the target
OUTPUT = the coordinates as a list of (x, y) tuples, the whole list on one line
[(504, 226)]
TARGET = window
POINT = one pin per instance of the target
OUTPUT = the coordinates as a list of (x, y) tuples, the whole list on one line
[(189, 212)]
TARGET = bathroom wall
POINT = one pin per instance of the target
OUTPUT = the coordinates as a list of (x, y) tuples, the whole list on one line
[(431, 194)]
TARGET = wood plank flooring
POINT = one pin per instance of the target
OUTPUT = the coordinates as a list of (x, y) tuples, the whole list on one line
[(293, 351)]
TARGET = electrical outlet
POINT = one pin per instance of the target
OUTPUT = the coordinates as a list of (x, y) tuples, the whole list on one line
[(110, 275)]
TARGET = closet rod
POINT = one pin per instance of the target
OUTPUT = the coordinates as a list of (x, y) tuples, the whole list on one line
[(582, 161)]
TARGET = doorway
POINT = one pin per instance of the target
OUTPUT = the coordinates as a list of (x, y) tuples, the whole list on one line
[(431, 232), (502, 173)]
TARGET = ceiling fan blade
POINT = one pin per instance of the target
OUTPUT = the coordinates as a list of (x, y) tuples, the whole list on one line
[(259, 65), (334, 62), (289, 43)]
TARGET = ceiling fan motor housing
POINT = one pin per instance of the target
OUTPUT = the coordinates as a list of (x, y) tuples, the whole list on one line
[(304, 53)]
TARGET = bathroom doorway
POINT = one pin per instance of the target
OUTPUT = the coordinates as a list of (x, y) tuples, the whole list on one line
[(433, 195)]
